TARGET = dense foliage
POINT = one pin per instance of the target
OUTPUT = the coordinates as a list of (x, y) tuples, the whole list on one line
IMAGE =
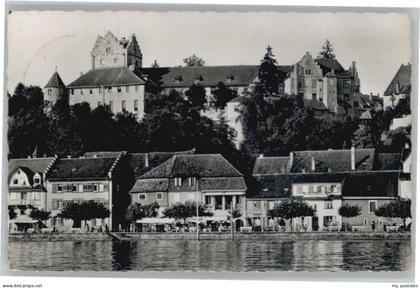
[(84, 211), (327, 50), (40, 215), (400, 208), (12, 214), (349, 211), (138, 211), (185, 210), (193, 60), (291, 209)]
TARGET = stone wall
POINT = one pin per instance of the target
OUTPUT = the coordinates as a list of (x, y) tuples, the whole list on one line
[(268, 235), (59, 237)]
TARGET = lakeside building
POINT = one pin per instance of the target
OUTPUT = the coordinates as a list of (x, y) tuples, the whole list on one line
[(27, 187), (75, 180), (205, 178), (326, 180)]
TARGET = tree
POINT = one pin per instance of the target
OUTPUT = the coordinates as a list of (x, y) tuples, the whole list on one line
[(130, 133), (92, 210), (400, 208), (291, 209), (268, 74), (185, 210), (27, 122), (222, 95), (399, 138), (327, 51), (193, 60), (362, 137), (74, 212), (196, 96), (12, 213), (349, 211), (136, 211), (40, 215), (155, 64)]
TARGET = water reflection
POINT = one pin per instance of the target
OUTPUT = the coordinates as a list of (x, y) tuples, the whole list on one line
[(180, 255)]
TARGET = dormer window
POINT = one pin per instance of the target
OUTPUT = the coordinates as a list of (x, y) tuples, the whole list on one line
[(178, 80), (108, 49), (177, 181), (37, 179), (198, 79), (192, 181), (230, 79)]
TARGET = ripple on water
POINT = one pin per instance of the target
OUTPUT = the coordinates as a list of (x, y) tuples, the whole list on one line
[(187, 255)]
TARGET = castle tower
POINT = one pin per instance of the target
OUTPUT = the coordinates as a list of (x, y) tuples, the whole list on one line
[(109, 52), (55, 89)]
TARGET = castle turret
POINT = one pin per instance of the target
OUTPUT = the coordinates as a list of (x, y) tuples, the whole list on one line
[(55, 89)]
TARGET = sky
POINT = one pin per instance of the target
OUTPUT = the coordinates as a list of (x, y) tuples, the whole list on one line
[(38, 42)]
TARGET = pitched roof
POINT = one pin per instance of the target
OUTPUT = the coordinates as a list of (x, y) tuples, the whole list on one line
[(201, 165), (402, 78), (370, 184), (35, 165), (115, 76), (214, 172), (328, 64), (333, 160), (81, 168), (273, 186), (355, 183), (138, 160), (388, 161), (239, 75), (271, 165), (55, 82)]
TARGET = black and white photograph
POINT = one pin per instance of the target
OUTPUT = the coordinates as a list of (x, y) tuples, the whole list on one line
[(191, 140)]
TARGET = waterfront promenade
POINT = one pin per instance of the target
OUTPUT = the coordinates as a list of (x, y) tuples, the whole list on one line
[(134, 236)]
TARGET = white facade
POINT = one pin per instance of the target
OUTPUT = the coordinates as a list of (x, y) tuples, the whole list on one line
[(325, 198), (233, 119), (63, 192), (119, 98)]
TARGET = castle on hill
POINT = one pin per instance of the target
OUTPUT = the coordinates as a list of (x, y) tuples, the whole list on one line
[(118, 79)]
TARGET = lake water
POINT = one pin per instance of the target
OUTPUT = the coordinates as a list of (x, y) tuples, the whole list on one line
[(187, 255)]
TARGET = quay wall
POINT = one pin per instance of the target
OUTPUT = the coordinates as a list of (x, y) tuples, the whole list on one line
[(59, 237), (268, 236), (285, 236)]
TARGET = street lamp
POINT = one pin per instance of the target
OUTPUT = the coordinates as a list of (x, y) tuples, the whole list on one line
[(198, 203)]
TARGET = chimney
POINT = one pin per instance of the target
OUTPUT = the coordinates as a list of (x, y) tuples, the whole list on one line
[(29, 156), (261, 156), (353, 66), (68, 156), (146, 160), (291, 159), (312, 163), (353, 159)]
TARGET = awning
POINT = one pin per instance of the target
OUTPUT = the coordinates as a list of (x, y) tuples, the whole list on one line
[(156, 221), (24, 221), (205, 219)]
